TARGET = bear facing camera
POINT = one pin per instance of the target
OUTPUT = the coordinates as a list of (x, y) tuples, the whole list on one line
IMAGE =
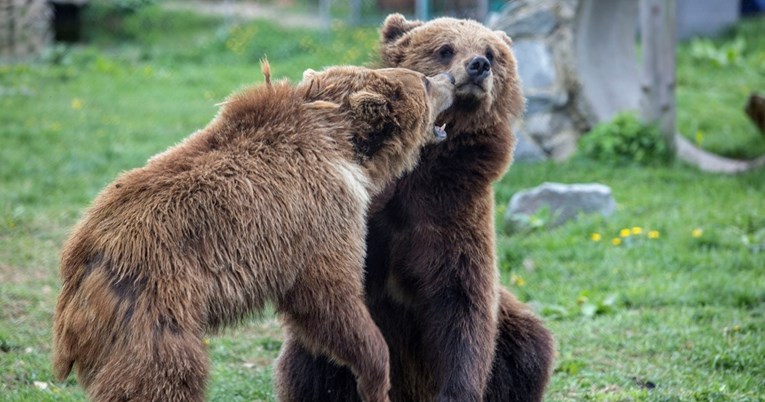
[(432, 284)]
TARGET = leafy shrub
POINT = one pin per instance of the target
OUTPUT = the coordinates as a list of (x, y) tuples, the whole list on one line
[(111, 15), (624, 140), (727, 54), (124, 7)]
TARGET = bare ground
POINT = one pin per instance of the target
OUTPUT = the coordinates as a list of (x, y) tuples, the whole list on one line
[(245, 10)]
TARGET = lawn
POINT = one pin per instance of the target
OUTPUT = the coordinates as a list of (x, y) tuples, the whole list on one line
[(675, 316)]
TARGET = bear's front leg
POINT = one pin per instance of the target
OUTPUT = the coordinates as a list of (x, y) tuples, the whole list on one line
[(456, 308), (326, 314)]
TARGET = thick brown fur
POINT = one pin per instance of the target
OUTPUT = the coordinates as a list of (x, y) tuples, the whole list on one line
[(267, 203), (432, 286)]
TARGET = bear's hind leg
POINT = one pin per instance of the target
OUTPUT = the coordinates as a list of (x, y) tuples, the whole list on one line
[(326, 313), (301, 376), (164, 364), (523, 356)]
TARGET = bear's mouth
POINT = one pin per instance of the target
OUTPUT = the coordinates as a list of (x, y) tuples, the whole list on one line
[(439, 132), (470, 89)]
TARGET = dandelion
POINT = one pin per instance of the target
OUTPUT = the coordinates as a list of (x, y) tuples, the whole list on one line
[(206, 341), (636, 230), (76, 104), (653, 234), (625, 233), (696, 233), (616, 241), (517, 280), (595, 237)]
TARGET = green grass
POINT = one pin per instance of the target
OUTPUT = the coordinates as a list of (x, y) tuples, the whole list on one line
[(712, 93), (684, 314)]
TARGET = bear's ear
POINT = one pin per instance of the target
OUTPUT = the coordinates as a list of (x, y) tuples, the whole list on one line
[(310, 73), (502, 35), (395, 26), (371, 111), (369, 107), (310, 85)]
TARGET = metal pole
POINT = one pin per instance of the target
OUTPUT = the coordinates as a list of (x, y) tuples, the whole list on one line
[(355, 12), (482, 10), (324, 8), (421, 10)]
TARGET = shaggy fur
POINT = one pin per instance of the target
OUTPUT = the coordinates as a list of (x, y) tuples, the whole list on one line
[(432, 283), (267, 203)]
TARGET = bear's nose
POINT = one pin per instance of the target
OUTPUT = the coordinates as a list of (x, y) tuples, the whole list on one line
[(478, 68)]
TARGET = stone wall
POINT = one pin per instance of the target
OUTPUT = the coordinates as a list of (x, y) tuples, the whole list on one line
[(542, 33), (578, 64), (24, 28)]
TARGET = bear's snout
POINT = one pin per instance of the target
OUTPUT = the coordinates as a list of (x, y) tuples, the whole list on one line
[(478, 68), (441, 92)]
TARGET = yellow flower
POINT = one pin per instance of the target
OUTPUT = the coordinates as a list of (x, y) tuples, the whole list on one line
[(517, 280), (696, 233), (76, 104), (625, 233), (636, 230), (595, 237), (206, 341), (616, 241), (653, 234)]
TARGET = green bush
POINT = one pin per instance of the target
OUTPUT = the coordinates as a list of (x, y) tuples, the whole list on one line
[(111, 15), (625, 140)]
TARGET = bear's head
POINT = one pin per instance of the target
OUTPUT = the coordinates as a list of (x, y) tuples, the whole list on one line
[(481, 61), (392, 112)]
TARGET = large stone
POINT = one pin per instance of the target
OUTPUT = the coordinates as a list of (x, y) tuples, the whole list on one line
[(536, 23), (526, 150), (562, 145), (563, 202), (535, 64), (544, 127), (544, 101), (538, 126)]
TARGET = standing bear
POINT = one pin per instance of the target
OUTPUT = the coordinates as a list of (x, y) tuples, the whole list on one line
[(267, 203), (432, 282)]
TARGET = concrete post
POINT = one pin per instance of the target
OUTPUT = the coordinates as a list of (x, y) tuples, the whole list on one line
[(659, 38)]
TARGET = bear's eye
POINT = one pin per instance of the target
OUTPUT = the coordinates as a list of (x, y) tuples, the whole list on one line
[(446, 52), (490, 56)]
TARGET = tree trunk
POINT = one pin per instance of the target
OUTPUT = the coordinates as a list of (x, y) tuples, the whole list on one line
[(657, 105), (657, 29)]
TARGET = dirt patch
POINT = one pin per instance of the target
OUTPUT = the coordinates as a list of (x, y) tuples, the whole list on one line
[(248, 11), (15, 275)]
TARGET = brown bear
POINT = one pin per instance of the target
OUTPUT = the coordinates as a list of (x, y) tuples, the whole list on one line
[(432, 283), (266, 204)]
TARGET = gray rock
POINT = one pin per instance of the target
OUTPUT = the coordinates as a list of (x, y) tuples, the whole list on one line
[(544, 101), (544, 126), (536, 23), (535, 64), (538, 125), (526, 150), (563, 144), (562, 201)]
